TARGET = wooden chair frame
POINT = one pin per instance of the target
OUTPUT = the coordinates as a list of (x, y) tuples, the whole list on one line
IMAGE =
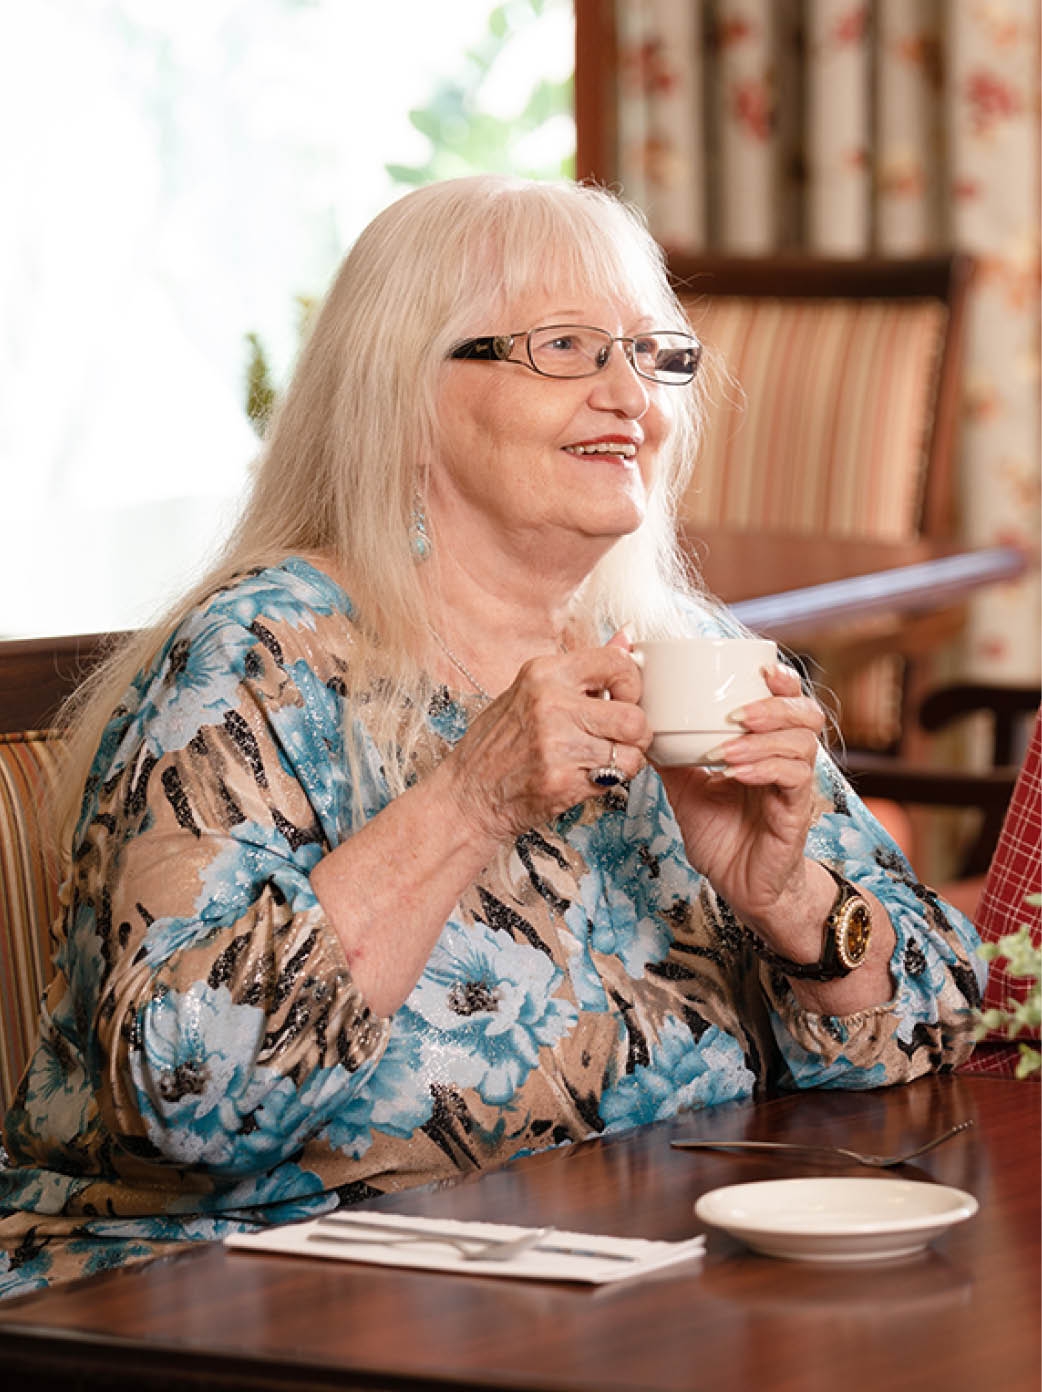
[(988, 791), (943, 279), (37, 675), (946, 279)]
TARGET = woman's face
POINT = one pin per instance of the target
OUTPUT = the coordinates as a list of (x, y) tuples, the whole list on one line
[(530, 460)]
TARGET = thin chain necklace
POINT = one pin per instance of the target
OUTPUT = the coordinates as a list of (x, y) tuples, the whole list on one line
[(458, 664)]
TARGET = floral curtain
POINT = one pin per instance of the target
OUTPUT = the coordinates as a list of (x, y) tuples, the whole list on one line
[(894, 127)]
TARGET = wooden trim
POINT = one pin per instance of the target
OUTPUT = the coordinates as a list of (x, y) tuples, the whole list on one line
[(37, 675), (793, 275), (1009, 707), (938, 507), (596, 69), (989, 790)]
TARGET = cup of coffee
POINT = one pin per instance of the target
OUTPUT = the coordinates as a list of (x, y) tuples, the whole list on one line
[(691, 686)]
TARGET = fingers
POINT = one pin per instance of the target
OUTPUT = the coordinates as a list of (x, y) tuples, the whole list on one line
[(781, 739), (597, 689), (610, 668), (530, 754), (776, 771), (626, 760), (787, 707)]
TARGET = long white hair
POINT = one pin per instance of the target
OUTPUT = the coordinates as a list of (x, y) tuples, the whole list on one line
[(345, 456)]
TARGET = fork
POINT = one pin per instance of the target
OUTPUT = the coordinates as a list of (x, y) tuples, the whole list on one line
[(469, 1248), (877, 1162)]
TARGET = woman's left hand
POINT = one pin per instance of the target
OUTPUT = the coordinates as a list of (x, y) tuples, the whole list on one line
[(746, 828)]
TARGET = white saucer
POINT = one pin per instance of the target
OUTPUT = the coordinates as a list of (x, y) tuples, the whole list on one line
[(836, 1220)]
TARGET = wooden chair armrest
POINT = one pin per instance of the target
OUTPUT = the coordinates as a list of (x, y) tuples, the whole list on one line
[(883, 777), (38, 674)]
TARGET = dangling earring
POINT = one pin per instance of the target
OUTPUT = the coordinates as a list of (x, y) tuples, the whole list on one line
[(419, 539)]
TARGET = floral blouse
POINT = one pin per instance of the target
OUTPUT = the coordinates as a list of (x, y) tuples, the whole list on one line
[(205, 1061)]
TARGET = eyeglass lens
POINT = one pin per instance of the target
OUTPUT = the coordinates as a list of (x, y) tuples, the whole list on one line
[(566, 350)]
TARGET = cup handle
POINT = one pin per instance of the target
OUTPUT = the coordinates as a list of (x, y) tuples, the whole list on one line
[(638, 657)]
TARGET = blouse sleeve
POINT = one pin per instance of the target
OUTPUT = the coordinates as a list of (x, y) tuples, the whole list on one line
[(927, 1025), (227, 1028), (938, 975)]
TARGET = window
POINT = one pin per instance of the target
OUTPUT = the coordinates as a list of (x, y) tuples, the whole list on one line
[(182, 177)]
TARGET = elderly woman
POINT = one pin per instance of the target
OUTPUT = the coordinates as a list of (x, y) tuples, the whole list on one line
[(369, 885)]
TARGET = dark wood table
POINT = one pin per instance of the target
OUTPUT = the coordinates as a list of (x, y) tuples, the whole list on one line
[(961, 1315), (850, 598)]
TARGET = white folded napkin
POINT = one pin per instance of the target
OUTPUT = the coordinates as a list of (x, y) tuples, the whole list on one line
[(392, 1239)]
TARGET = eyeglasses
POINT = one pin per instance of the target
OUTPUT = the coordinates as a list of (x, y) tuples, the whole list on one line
[(576, 350)]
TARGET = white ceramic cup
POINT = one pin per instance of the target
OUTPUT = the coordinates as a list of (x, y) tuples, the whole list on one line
[(691, 686)]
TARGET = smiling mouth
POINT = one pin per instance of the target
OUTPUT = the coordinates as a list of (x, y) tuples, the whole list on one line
[(626, 451)]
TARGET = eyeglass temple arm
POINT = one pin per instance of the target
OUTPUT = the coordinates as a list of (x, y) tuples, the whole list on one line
[(495, 348)]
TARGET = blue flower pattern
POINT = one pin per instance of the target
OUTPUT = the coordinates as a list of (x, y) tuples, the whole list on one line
[(491, 1005), (679, 1077)]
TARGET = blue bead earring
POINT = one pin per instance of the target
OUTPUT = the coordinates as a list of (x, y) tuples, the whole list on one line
[(419, 539)]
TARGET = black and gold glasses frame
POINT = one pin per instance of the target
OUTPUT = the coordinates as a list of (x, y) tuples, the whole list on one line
[(669, 356)]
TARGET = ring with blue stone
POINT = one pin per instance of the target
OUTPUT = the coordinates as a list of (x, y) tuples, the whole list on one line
[(608, 775)]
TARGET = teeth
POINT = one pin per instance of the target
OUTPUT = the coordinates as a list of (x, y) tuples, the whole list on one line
[(604, 447)]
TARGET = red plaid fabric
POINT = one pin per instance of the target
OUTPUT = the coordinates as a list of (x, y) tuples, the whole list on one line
[(1015, 872)]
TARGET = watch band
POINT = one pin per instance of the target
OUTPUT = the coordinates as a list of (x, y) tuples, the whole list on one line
[(844, 947)]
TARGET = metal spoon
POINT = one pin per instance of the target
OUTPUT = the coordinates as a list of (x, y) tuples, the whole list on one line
[(879, 1162)]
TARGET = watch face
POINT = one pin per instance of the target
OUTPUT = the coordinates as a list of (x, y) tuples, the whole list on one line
[(853, 932)]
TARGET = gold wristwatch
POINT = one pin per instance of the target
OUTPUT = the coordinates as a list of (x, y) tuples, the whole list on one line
[(848, 930)]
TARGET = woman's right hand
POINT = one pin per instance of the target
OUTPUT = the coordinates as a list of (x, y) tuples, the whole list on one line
[(527, 757), (524, 760)]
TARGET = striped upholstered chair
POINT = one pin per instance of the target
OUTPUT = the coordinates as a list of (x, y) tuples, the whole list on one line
[(35, 677), (839, 428)]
